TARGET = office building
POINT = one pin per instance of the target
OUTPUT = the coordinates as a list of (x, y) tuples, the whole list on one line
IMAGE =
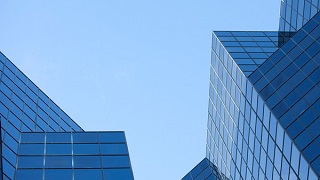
[(40, 141), (78, 155), (204, 170), (264, 99)]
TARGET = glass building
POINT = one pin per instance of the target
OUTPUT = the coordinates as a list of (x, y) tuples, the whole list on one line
[(204, 170), (73, 155), (40, 141), (264, 99)]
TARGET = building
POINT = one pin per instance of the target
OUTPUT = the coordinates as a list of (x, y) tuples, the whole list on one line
[(204, 170), (264, 99), (40, 141), (78, 155)]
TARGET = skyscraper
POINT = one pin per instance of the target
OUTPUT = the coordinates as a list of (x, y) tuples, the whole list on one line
[(264, 99), (40, 141)]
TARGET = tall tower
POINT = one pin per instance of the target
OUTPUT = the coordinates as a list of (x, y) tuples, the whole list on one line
[(264, 99), (39, 141)]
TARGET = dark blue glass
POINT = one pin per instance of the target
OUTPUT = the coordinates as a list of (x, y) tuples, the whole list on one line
[(58, 162), (305, 86), (55, 149), (60, 174), (290, 70), (34, 174), (90, 137), (87, 161), (9, 154), (113, 149), (8, 169), (58, 137), (30, 161), (300, 107), (308, 116), (14, 120), (85, 149), (291, 99), (310, 96), (303, 140), (227, 39), (287, 118), (313, 49), (32, 138), (9, 73), (311, 151), (31, 149), (124, 174), (115, 161), (85, 174), (314, 128), (33, 87), (295, 128), (112, 137), (195, 171), (316, 165), (222, 33)]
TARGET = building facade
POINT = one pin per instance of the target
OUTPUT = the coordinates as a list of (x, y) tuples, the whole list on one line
[(73, 155), (264, 99), (204, 170), (29, 119)]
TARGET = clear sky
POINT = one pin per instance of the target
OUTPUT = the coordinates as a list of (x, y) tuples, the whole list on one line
[(135, 65)]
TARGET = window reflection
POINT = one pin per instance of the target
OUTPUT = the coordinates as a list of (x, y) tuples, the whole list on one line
[(86, 161), (58, 162), (85, 174)]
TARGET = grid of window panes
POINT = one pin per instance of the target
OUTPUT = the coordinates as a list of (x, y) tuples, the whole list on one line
[(249, 49), (295, 13), (25, 108), (245, 139), (1, 171), (289, 82), (76, 155), (205, 170)]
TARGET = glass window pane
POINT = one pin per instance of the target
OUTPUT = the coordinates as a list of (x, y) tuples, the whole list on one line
[(31, 149), (113, 149), (8, 169), (85, 174), (124, 174), (295, 157), (311, 151), (86, 161), (58, 162), (9, 154), (30, 161), (34, 174), (58, 137), (32, 137), (10, 142), (85, 137), (59, 149), (110, 137), (86, 149), (54, 174), (115, 161)]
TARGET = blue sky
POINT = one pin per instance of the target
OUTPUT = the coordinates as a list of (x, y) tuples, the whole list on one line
[(139, 66)]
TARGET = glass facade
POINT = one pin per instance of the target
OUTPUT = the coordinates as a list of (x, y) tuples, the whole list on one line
[(40, 141), (25, 108), (296, 13), (289, 84), (264, 99), (205, 170), (76, 155), (243, 135), (249, 49)]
